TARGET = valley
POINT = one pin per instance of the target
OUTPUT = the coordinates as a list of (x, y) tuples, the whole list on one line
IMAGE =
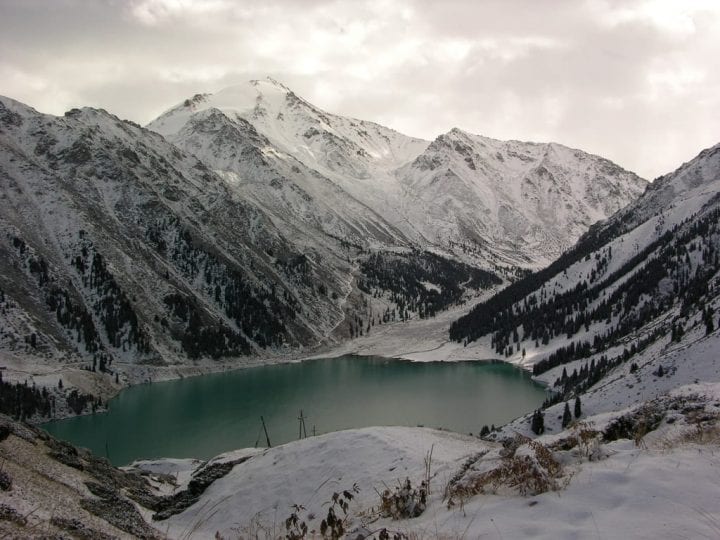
[(258, 229), (250, 228)]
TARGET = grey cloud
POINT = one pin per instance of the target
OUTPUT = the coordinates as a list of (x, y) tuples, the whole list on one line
[(621, 79)]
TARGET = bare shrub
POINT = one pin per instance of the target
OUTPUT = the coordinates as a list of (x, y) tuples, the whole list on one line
[(404, 502), (527, 467), (583, 437)]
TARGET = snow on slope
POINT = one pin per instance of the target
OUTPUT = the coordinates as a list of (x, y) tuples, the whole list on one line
[(498, 203), (607, 258), (298, 127), (307, 472), (301, 201), (629, 313), (119, 248), (521, 201), (342, 163), (664, 487)]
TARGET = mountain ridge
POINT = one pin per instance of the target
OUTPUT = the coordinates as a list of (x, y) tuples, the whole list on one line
[(635, 288), (129, 256), (387, 172)]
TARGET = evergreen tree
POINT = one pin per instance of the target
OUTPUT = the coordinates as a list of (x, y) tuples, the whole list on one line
[(708, 318), (567, 417), (578, 407), (537, 423)]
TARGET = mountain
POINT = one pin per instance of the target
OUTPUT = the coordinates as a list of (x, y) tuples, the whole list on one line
[(122, 256), (250, 224), (118, 248), (524, 203), (302, 164), (497, 203), (631, 310)]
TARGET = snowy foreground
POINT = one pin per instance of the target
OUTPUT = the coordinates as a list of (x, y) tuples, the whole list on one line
[(661, 485), (641, 462), (653, 475), (648, 471)]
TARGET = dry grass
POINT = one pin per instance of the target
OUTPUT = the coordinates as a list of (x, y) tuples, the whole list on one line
[(527, 468), (583, 437)]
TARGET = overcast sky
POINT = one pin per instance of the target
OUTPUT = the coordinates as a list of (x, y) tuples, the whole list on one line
[(635, 81)]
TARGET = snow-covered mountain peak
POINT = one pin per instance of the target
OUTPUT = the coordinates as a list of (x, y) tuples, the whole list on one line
[(696, 173), (269, 132), (257, 95), (12, 112), (254, 99), (296, 126), (512, 202), (269, 82), (457, 133), (523, 200)]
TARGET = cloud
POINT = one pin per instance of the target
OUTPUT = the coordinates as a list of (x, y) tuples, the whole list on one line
[(156, 12), (634, 81)]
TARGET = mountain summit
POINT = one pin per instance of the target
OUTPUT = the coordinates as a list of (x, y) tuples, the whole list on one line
[(522, 202), (251, 223), (497, 203)]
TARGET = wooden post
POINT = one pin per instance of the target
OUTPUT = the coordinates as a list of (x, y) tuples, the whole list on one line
[(302, 431), (267, 437)]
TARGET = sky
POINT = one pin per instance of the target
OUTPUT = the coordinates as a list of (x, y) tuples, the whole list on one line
[(635, 81)]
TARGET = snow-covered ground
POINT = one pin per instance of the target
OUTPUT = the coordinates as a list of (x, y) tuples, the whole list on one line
[(659, 484), (421, 340), (664, 485), (513, 202), (259, 493)]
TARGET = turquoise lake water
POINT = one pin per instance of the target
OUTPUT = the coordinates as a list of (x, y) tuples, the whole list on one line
[(210, 414)]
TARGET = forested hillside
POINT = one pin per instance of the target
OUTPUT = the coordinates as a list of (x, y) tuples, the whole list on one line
[(648, 275)]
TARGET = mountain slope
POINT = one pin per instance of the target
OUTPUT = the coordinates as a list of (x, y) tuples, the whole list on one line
[(519, 201), (338, 164), (119, 247), (493, 202), (255, 226), (123, 255), (630, 297)]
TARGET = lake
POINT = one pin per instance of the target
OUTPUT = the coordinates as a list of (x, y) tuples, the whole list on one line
[(203, 416)]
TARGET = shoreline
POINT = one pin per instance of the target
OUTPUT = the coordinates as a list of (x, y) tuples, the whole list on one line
[(418, 340), (280, 361), (462, 379)]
